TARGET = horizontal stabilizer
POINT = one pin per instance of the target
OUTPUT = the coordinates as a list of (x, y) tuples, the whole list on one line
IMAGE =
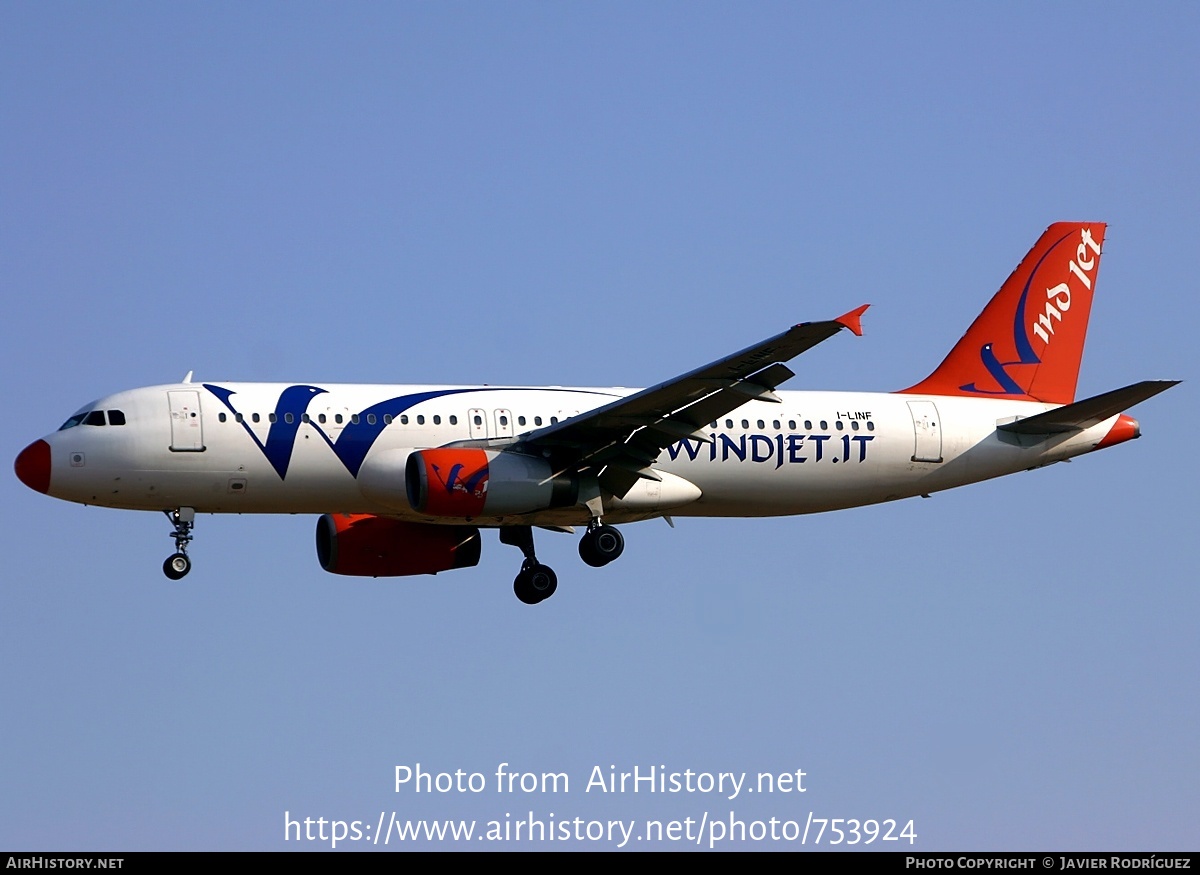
[(1088, 412)]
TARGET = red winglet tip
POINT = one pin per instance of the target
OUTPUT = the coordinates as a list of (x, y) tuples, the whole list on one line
[(853, 319)]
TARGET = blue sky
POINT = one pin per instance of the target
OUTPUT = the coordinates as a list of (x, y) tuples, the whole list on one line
[(598, 194)]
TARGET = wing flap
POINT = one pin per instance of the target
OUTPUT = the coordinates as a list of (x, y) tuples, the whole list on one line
[(618, 481)]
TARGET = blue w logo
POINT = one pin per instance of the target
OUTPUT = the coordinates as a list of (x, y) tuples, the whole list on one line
[(355, 440)]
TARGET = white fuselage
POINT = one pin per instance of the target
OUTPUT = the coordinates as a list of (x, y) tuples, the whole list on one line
[(299, 448)]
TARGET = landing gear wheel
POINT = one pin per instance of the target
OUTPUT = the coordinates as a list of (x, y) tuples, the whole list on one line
[(535, 584), (183, 520), (601, 545), (177, 566)]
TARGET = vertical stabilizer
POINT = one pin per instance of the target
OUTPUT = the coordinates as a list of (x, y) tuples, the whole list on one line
[(1028, 342)]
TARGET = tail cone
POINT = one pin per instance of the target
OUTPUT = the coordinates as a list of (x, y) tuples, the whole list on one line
[(1126, 428)]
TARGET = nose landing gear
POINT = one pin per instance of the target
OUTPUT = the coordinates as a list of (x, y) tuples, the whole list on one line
[(177, 565)]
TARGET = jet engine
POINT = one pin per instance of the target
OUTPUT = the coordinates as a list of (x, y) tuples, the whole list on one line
[(364, 545), (467, 483)]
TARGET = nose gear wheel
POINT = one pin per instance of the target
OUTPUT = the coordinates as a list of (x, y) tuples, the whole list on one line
[(178, 564)]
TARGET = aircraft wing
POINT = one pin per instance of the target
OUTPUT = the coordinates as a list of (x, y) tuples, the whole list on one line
[(625, 437)]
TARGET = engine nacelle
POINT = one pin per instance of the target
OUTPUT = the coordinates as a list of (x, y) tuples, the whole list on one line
[(364, 545), (469, 483)]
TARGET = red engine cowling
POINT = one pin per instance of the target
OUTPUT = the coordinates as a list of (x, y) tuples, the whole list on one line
[(470, 483), (364, 545)]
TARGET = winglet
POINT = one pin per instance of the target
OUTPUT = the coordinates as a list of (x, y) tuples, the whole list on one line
[(853, 319)]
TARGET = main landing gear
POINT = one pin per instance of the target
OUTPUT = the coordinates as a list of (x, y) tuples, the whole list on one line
[(536, 582), (601, 544), (178, 564)]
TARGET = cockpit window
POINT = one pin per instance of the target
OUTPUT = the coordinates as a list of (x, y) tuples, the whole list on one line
[(91, 416)]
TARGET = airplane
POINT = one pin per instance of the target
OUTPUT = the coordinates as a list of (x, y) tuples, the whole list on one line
[(405, 477)]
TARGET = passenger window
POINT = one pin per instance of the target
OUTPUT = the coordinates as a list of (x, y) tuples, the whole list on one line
[(453, 420), (520, 420), (537, 420), (478, 420), (305, 418), (370, 419), (870, 426), (791, 425), (729, 423), (254, 417), (838, 425), (554, 420), (237, 417), (271, 417), (221, 417), (775, 425), (387, 419), (808, 425), (96, 417), (761, 424), (824, 425), (116, 417), (321, 418), (420, 419), (354, 419), (745, 424), (404, 419), (854, 425), (437, 420), (288, 418), (337, 418)]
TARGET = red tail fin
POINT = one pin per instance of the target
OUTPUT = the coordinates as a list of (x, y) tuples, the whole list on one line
[(1028, 342)]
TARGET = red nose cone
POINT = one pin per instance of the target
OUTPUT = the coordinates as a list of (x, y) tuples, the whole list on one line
[(1126, 428), (33, 466)]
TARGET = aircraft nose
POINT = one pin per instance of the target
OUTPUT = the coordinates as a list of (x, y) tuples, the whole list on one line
[(33, 466)]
